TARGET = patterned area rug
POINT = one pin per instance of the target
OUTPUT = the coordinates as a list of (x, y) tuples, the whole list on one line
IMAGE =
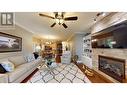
[(63, 73)]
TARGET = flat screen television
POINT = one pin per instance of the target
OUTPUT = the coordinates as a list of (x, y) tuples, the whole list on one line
[(111, 37)]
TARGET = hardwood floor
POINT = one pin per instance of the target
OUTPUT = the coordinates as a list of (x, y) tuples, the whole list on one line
[(96, 78), (27, 78)]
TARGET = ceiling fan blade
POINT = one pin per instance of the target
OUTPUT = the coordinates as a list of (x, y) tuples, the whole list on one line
[(53, 24), (71, 18), (56, 14), (63, 13), (46, 16), (64, 25), (59, 14)]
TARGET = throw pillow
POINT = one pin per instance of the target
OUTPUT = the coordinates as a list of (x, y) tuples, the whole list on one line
[(8, 66), (2, 70), (17, 60), (36, 55), (30, 58)]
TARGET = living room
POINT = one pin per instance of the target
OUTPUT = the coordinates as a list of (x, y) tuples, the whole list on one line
[(47, 46), (72, 47), (63, 47)]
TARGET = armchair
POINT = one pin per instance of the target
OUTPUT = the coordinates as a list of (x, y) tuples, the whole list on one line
[(66, 57)]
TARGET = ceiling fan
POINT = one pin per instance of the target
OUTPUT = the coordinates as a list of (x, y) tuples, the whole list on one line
[(59, 18)]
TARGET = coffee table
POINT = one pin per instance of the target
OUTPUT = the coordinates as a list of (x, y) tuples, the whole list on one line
[(49, 68)]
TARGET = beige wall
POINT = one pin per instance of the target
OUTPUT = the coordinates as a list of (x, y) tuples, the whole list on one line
[(112, 19), (26, 41), (76, 45), (72, 45)]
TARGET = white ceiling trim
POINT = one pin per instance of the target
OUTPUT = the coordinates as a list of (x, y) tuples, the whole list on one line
[(27, 29)]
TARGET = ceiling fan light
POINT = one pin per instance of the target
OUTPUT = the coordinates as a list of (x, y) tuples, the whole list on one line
[(57, 20), (60, 13), (61, 21)]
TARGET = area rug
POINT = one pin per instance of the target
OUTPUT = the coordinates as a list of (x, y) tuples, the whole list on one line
[(63, 73)]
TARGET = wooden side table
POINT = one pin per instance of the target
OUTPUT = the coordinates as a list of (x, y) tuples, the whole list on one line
[(58, 58)]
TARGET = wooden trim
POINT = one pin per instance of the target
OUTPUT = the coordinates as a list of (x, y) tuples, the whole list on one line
[(106, 79), (103, 77), (113, 58), (103, 35)]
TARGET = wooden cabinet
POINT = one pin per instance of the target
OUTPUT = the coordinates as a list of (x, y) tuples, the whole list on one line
[(58, 52), (59, 48), (48, 53), (53, 51)]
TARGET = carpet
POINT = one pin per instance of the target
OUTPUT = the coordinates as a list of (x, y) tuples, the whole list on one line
[(63, 73)]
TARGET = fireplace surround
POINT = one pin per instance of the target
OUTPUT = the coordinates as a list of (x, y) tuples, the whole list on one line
[(113, 67)]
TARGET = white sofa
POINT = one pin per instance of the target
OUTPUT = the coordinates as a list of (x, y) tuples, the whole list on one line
[(66, 57), (21, 71)]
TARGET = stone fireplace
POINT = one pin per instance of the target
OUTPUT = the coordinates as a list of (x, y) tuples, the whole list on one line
[(114, 67), (111, 19)]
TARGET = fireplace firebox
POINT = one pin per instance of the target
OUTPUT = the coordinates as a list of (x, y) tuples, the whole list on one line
[(113, 67)]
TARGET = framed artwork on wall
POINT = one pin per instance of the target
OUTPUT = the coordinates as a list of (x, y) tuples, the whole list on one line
[(10, 43)]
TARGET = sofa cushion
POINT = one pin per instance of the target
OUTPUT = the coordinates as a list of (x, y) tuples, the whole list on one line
[(31, 65), (34, 63), (3, 59), (30, 57), (18, 72), (3, 78), (17, 60), (22, 69)]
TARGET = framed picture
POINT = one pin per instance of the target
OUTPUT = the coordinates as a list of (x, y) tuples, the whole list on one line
[(10, 43)]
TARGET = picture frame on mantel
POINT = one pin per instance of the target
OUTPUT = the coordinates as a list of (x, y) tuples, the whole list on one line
[(10, 43)]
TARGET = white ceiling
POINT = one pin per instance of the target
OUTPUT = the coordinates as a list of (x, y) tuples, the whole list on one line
[(40, 26)]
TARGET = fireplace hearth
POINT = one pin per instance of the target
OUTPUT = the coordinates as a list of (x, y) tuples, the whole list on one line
[(113, 67)]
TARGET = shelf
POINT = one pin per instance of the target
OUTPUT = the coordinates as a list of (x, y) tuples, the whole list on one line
[(87, 49)]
